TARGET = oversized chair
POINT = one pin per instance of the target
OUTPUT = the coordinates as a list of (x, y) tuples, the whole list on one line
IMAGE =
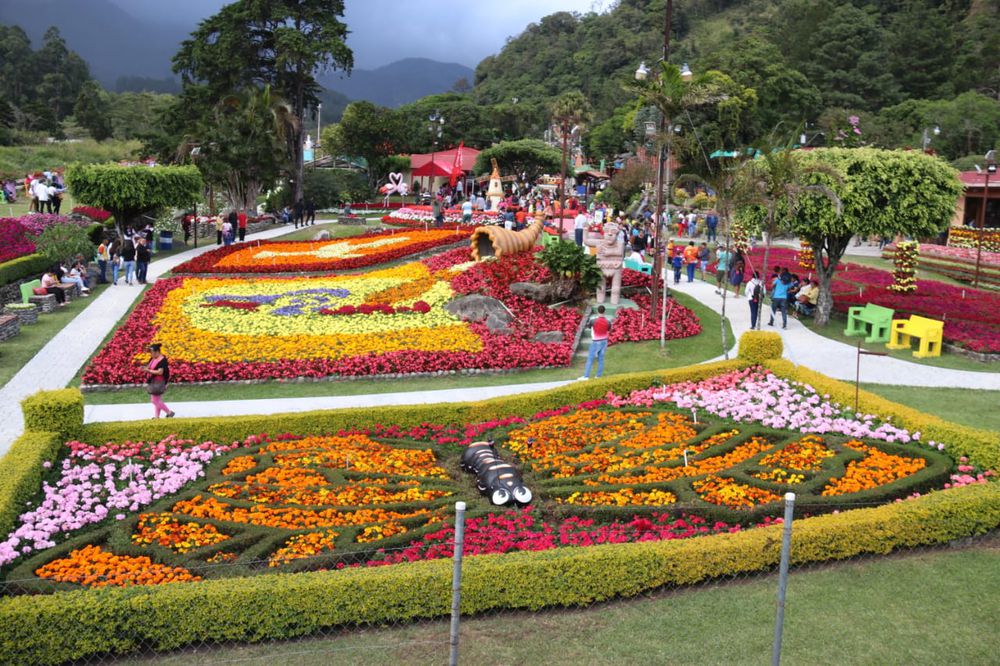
[(928, 331)]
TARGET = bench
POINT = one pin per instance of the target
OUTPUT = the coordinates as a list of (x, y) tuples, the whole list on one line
[(642, 267), (28, 290), (859, 318), (928, 331), (10, 326)]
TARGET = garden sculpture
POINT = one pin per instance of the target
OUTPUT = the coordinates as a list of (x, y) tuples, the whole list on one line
[(497, 241), (396, 185), (610, 258), (499, 481), (495, 191)]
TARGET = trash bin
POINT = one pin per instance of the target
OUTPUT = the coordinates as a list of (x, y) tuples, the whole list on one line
[(166, 240)]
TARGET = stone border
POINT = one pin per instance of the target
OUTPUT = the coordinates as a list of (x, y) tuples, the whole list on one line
[(982, 357)]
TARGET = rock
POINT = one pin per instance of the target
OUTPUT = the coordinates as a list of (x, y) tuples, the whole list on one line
[(498, 324), (543, 293), (322, 235), (549, 337), (476, 307)]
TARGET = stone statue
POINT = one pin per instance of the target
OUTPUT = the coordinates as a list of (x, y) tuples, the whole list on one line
[(610, 258)]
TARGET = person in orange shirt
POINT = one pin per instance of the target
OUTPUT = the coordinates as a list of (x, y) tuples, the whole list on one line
[(691, 259), (519, 218)]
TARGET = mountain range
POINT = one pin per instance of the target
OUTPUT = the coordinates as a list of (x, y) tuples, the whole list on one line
[(125, 52)]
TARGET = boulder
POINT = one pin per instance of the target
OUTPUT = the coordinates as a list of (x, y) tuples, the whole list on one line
[(498, 324), (544, 293), (549, 337), (476, 307), (322, 235)]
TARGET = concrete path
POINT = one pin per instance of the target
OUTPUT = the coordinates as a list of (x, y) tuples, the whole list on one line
[(133, 412), (55, 365)]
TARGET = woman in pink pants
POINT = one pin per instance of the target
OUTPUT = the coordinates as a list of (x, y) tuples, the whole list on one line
[(159, 374)]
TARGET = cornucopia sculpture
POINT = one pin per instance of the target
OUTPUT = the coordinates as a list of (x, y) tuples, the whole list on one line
[(497, 241)]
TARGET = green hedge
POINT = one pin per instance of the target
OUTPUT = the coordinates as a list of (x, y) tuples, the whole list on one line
[(59, 411), (31, 265), (48, 629), (759, 346), (22, 473)]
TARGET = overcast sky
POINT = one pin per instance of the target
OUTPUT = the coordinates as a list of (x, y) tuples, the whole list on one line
[(383, 31)]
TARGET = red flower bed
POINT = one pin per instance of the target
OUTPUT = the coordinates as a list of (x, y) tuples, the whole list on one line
[(13, 240), (212, 261), (96, 214)]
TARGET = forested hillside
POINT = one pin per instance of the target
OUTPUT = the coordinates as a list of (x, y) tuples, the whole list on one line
[(900, 66)]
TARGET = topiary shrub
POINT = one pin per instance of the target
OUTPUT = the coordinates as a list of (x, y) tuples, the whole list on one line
[(760, 346), (58, 411)]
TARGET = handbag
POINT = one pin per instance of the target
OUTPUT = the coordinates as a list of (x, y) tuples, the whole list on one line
[(156, 386)]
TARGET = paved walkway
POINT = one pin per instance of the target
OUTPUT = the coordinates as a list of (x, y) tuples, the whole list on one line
[(58, 362)]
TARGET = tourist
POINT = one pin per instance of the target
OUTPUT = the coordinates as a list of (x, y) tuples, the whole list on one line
[(50, 283), (681, 223), (218, 229), (755, 294), (677, 261), (703, 254), (142, 257), (128, 259), (436, 212), (310, 214), (736, 275), (55, 197), (691, 260), (806, 298), (298, 214), (227, 229), (779, 298), (158, 370), (579, 224), (600, 329), (40, 192), (722, 259), (75, 276), (115, 250), (103, 257), (692, 223), (711, 225), (241, 221), (467, 211)]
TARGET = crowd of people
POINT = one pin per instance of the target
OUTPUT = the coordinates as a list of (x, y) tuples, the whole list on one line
[(44, 191)]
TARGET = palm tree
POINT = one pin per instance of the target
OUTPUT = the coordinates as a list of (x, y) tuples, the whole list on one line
[(569, 111)]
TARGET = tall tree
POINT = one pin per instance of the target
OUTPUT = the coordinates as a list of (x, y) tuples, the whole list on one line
[(92, 110), (569, 110), (532, 157), (281, 43), (369, 131)]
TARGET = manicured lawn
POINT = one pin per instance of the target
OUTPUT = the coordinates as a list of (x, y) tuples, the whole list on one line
[(978, 409), (930, 607), (17, 351), (336, 230), (633, 357)]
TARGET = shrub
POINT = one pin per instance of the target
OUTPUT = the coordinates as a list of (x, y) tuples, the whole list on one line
[(59, 411), (63, 242), (31, 265), (759, 346), (22, 473)]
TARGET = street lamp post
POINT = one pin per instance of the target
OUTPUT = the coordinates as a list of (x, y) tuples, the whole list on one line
[(926, 139), (319, 123), (991, 168), (436, 128)]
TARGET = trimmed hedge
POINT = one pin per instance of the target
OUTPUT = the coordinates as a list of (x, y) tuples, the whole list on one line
[(47, 629), (31, 265), (981, 446), (59, 411), (22, 473), (759, 346)]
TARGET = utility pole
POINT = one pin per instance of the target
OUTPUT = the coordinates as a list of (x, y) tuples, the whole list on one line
[(659, 257)]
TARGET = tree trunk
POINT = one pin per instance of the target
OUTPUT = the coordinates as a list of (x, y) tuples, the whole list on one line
[(833, 249)]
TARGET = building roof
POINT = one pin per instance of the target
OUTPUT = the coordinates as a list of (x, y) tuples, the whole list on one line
[(447, 157), (976, 179)]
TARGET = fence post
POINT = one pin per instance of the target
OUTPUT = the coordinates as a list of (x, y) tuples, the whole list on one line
[(786, 547), (456, 580)]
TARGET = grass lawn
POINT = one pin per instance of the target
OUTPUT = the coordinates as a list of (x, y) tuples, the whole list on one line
[(925, 607), (632, 357), (17, 351), (978, 409), (336, 230)]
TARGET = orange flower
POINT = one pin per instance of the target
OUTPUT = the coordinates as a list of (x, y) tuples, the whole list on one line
[(303, 545), (287, 518), (726, 492), (239, 464), (623, 497), (92, 566), (877, 468), (165, 530)]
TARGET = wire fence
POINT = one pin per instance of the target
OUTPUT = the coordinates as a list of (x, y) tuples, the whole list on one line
[(870, 609)]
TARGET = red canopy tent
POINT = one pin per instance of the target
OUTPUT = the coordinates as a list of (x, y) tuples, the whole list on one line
[(439, 166)]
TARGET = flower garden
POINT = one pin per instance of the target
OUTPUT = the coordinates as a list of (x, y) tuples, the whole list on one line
[(16, 232), (316, 256), (385, 321), (971, 317), (678, 461), (418, 216)]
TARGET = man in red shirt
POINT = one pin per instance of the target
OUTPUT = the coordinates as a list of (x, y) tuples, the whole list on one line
[(242, 223), (599, 331)]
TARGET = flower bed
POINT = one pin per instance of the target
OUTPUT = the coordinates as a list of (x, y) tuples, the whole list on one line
[(969, 237), (16, 232), (383, 322), (418, 216), (314, 256), (667, 462), (958, 263), (971, 316), (95, 214)]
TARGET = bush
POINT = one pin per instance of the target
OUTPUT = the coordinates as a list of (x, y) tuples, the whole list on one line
[(31, 265), (22, 473), (59, 411), (759, 346), (64, 242), (331, 187), (45, 629)]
